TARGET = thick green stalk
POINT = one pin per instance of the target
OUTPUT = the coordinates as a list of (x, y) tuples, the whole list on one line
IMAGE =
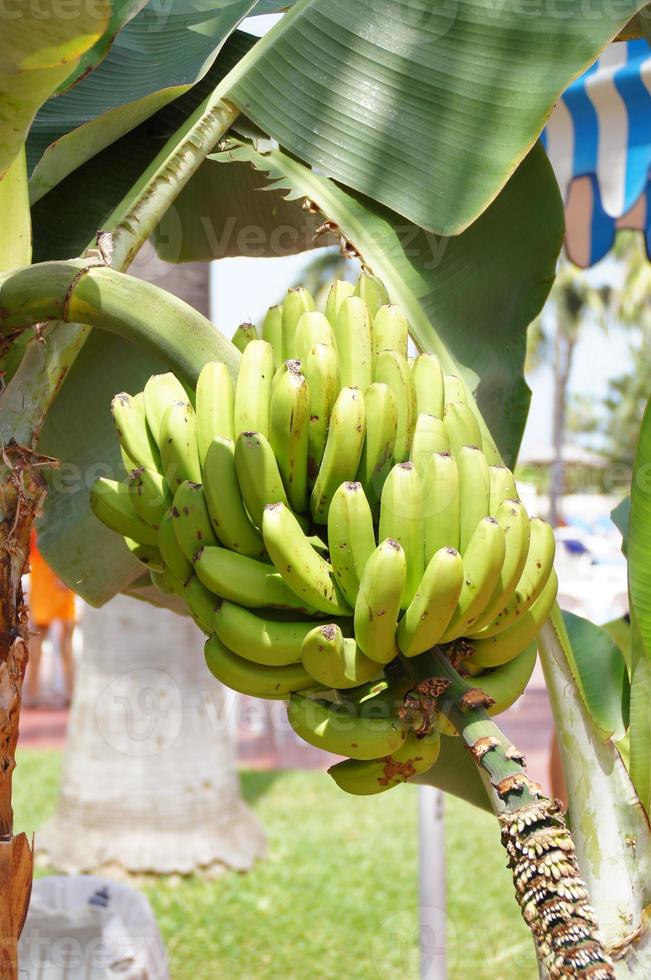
[(552, 897), (15, 221)]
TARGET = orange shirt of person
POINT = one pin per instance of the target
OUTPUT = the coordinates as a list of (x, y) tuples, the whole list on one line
[(49, 598)]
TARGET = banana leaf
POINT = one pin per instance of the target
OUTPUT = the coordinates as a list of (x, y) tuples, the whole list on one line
[(601, 675), (639, 538)]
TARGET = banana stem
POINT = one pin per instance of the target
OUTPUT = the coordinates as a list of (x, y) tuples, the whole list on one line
[(550, 892)]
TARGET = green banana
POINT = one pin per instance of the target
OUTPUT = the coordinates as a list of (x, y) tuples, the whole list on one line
[(297, 302), (441, 514), (502, 487), (514, 521), (461, 426), (150, 495), (474, 490), (289, 422), (507, 682), (160, 392), (454, 390), (312, 329), (258, 475), (147, 555), (353, 337), (262, 640), (170, 550), (401, 518), (178, 446), (428, 382), (133, 432), (215, 401), (111, 503), (228, 515), (165, 582), (482, 562), (339, 291), (433, 606), (378, 601), (366, 778), (390, 331), (535, 574), (303, 569), (393, 370), (321, 370), (335, 661), (381, 433), (505, 646), (246, 581), (372, 291), (342, 452), (430, 436), (253, 679), (272, 332), (201, 603), (243, 336), (191, 520), (253, 389), (345, 728), (351, 537)]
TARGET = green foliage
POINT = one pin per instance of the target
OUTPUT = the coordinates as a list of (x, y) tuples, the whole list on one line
[(599, 668)]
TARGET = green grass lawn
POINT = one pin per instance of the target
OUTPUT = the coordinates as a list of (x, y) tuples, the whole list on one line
[(337, 895)]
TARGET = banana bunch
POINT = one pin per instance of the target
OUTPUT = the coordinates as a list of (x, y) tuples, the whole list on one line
[(334, 512)]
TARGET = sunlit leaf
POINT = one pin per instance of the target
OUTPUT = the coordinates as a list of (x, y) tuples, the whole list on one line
[(599, 668)]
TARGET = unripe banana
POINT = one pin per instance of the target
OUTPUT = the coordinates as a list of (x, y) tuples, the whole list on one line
[(512, 517), (201, 603), (482, 562), (297, 302), (335, 661), (215, 401), (289, 422), (502, 487), (191, 520), (312, 329), (275, 683), (401, 518), (111, 503), (430, 436), (165, 582), (474, 489), (150, 495), (253, 389), (353, 336), (342, 452), (536, 572), (508, 681), (393, 370), (379, 444), (161, 390), (434, 604), (372, 290), (351, 537), (133, 432), (430, 387), (246, 581), (339, 291), (503, 647), (258, 474), (178, 446), (272, 332), (454, 390), (359, 732), (170, 549), (321, 370), (306, 573), (265, 641), (440, 504), (390, 331), (226, 509), (461, 426), (128, 463), (147, 555), (243, 336), (415, 755), (378, 601)]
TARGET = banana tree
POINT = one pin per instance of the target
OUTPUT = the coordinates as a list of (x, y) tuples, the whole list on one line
[(409, 133)]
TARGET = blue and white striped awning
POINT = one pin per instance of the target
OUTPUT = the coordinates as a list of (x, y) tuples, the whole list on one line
[(599, 142)]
